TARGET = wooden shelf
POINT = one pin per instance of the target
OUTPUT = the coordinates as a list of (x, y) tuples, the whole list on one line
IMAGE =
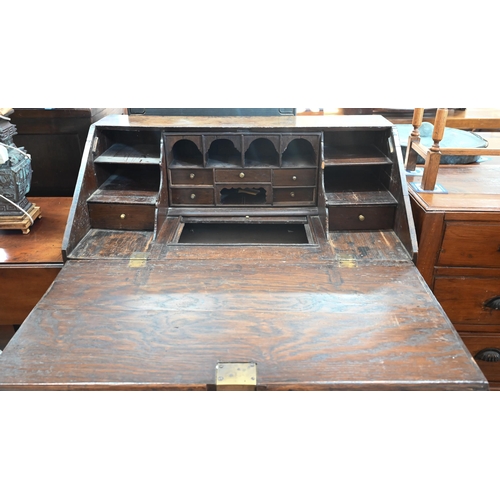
[(122, 153), (360, 198), (119, 188), (355, 155)]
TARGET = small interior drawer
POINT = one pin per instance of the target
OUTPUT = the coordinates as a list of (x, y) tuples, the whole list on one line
[(243, 175), (485, 348), (360, 218), (294, 177), (294, 195), (122, 216), (192, 196), (464, 299), (470, 244), (191, 177)]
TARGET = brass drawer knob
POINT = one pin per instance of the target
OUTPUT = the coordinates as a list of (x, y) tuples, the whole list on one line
[(294, 178), (192, 176), (292, 194), (122, 216), (361, 218), (193, 196), (242, 175)]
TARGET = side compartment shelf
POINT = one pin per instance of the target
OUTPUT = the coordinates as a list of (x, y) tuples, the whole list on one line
[(357, 180), (127, 169)]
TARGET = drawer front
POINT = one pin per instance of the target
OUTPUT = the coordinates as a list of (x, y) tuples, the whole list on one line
[(464, 299), (293, 196), (486, 351), (192, 196), (360, 218), (121, 216), (242, 175), (295, 177), (191, 177), (471, 244)]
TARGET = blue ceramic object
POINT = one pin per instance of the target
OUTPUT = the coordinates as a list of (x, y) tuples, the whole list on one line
[(452, 138)]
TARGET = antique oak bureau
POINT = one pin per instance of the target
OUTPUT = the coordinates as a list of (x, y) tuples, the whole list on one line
[(272, 253)]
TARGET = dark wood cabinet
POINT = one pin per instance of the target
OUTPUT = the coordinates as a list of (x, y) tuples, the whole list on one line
[(219, 253), (55, 139)]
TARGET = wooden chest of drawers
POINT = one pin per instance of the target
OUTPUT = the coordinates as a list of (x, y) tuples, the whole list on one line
[(459, 257)]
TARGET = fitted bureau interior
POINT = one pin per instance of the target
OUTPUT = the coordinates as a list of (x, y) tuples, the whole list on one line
[(140, 180)]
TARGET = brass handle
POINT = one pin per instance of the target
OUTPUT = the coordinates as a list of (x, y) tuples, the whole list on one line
[(493, 303), (193, 196), (361, 218), (122, 216), (242, 175), (292, 194), (490, 354), (294, 178), (192, 176)]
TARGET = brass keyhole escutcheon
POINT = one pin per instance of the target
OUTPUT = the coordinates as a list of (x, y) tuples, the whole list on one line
[(122, 216), (294, 178), (242, 175), (193, 196), (191, 176), (361, 218)]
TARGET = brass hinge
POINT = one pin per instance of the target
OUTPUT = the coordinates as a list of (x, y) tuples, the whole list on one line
[(236, 376)]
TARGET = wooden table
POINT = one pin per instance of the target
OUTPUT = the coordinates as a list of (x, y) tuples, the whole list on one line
[(29, 263)]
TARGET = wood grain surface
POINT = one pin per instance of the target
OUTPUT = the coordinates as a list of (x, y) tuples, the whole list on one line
[(324, 324)]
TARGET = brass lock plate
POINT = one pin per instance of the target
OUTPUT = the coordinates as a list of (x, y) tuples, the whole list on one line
[(233, 376)]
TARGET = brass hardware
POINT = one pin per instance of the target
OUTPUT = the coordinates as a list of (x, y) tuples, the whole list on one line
[(236, 376), (292, 194), (191, 176), (122, 216), (294, 178), (138, 259), (193, 196), (361, 218), (242, 175)]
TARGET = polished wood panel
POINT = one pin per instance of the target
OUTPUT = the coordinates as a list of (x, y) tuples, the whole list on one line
[(29, 263), (470, 244)]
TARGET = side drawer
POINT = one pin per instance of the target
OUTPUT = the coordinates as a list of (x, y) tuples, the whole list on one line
[(470, 244), (486, 347), (294, 196), (122, 216), (295, 177), (191, 176), (464, 299), (192, 196), (243, 175), (360, 218)]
